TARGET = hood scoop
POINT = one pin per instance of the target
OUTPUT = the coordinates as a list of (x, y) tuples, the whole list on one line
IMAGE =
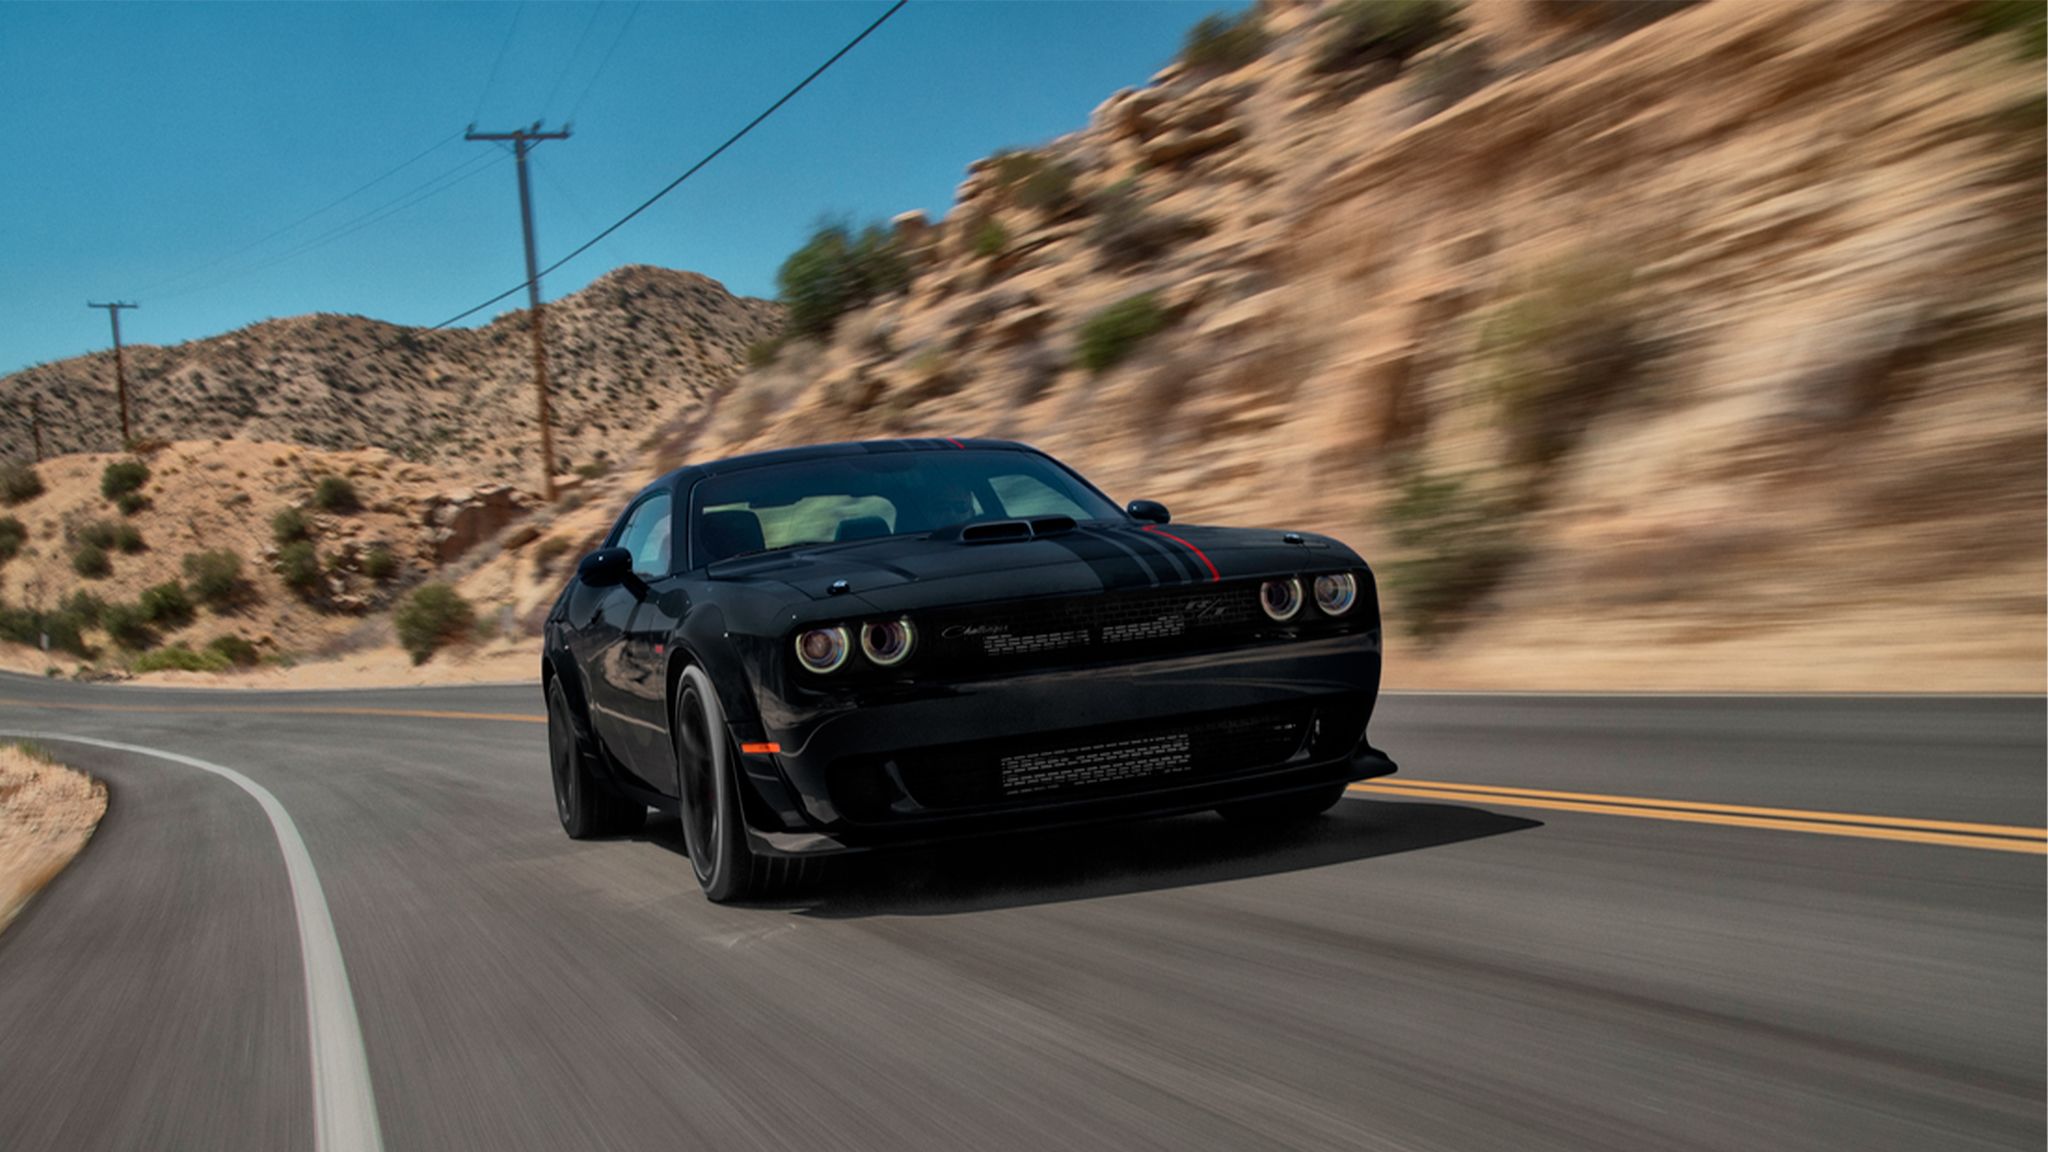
[(998, 531)]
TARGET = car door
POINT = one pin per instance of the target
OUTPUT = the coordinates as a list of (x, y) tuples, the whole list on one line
[(612, 674), (641, 681)]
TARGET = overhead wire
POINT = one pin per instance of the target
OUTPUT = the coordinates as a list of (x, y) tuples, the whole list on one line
[(692, 170), (492, 80), (617, 39), (574, 53)]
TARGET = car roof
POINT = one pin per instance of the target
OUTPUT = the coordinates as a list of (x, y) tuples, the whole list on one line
[(692, 472)]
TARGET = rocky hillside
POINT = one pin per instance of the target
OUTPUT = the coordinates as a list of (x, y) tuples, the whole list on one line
[(638, 344), (1680, 345)]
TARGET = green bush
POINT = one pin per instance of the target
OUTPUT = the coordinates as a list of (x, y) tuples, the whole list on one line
[(166, 605), (1360, 32), (298, 565), (336, 494), (28, 626), (2025, 20), (289, 525), (434, 615), (836, 271), (216, 577), (131, 502), (83, 606), (1225, 43), (1112, 334), (1129, 233), (90, 561), (548, 551), (13, 534), (235, 650), (762, 353), (123, 476), (128, 538), (990, 238), (19, 483), (1451, 547), (128, 626), (1557, 353), (380, 564), (178, 658), (1048, 188)]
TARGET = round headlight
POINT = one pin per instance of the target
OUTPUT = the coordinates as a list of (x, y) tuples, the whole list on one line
[(1336, 594), (888, 642), (1280, 598), (823, 649)]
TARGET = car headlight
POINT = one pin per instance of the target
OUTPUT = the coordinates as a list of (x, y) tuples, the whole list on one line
[(888, 642), (823, 649), (1280, 598), (1336, 594)]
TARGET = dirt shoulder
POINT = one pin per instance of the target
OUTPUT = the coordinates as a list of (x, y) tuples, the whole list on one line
[(47, 813)]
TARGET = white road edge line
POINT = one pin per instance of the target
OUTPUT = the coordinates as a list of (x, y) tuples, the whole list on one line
[(344, 1110)]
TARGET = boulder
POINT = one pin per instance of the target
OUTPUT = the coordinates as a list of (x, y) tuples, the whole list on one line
[(461, 520)]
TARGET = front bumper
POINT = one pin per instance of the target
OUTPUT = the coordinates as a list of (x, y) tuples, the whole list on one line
[(1068, 746)]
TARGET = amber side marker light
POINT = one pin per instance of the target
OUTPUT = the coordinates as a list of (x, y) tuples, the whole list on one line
[(765, 749)]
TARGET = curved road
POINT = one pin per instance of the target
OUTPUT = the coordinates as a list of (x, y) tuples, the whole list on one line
[(1601, 923)]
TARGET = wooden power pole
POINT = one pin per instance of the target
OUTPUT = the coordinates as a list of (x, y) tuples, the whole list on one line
[(523, 140), (120, 367), (35, 423)]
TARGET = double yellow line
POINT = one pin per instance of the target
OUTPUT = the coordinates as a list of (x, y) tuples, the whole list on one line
[(1953, 833)]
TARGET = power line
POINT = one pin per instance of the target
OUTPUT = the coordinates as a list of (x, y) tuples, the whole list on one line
[(689, 172), (616, 40), (492, 79), (322, 210), (570, 62), (418, 194)]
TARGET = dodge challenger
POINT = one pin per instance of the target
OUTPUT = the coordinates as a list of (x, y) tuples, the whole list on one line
[(853, 646)]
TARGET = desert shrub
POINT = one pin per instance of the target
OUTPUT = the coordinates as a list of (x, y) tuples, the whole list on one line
[(121, 477), (236, 650), (84, 606), (593, 469), (127, 626), (90, 561), (128, 538), (13, 534), (166, 605), (548, 552), (762, 353), (1452, 545), (1224, 43), (1360, 32), (131, 502), (98, 533), (433, 616), (1113, 333), (1035, 181), (28, 626), (290, 525), (19, 483), (380, 564), (2026, 21), (989, 238), (336, 494), (298, 565), (216, 577), (1129, 233), (836, 271), (178, 658), (1555, 354)]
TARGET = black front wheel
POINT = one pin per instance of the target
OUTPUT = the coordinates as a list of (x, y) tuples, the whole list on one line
[(714, 832), (586, 807), (1286, 808)]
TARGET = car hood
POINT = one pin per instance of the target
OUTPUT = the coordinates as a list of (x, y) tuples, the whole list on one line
[(904, 572)]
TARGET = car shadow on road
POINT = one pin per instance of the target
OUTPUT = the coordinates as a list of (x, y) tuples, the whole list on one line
[(1023, 869)]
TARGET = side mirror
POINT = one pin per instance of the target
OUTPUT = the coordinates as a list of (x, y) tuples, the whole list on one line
[(605, 567), (1149, 510)]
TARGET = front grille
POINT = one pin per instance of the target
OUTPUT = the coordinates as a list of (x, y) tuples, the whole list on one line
[(1087, 762), (1114, 626)]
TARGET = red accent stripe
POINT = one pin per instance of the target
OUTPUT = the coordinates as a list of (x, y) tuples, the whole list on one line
[(955, 443), (764, 748), (1214, 575)]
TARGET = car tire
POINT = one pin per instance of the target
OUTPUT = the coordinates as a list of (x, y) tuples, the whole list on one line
[(1286, 808), (714, 830), (587, 808)]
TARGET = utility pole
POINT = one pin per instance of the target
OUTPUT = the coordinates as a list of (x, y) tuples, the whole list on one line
[(523, 140), (120, 367), (35, 423)]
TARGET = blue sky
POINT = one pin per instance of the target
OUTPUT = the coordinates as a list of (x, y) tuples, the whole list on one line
[(150, 144)]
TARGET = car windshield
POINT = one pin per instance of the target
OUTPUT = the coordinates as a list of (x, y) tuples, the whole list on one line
[(846, 498)]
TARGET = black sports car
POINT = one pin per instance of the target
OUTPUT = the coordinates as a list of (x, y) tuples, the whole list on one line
[(858, 645)]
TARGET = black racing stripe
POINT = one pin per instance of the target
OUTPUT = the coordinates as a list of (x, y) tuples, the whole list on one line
[(1172, 555), (1151, 569), (1116, 567)]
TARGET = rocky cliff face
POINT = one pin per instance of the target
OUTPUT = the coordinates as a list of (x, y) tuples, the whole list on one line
[(1636, 343), (633, 348)]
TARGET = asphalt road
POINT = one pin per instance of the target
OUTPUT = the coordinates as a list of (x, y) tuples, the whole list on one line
[(1560, 966)]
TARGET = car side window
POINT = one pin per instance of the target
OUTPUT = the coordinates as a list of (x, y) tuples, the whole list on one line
[(1030, 496), (648, 536)]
